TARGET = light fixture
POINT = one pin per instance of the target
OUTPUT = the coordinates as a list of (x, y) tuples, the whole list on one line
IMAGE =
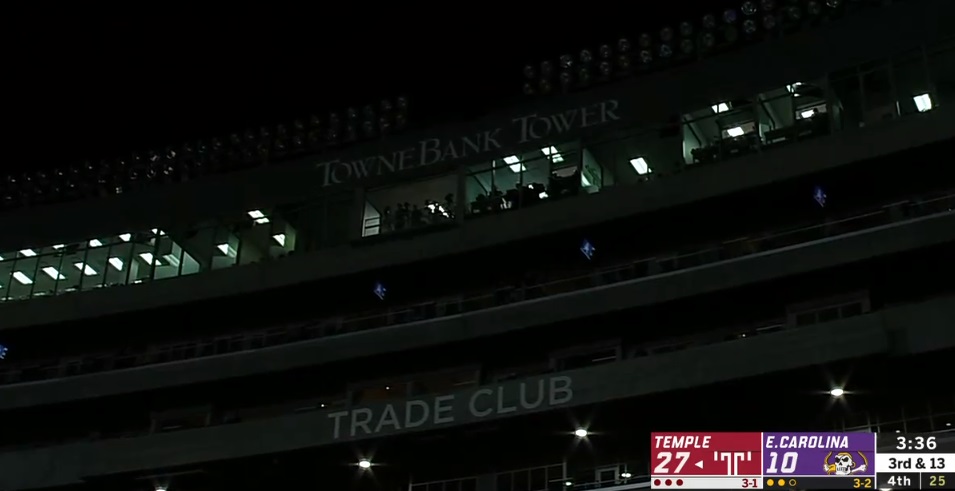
[(554, 155), (581, 433), (626, 475), (28, 252), (568, 484), (95, 243), (258, 217), (364, 463), (720, 108), (808, 113), (514, 163), (923, 102), (793, 88), (85, 268), (125, 237), (226, 249), (148, 257), (837, 392), (735, 131), (53, 273), (22, 278), (59, 246), (640, 165), (116, 263)]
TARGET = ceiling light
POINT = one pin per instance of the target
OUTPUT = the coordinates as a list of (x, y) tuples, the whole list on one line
[(807, 113), (580, 432), (148, 257), (640, 165), (85, 268), (28, 252), (735, 131), (59, 246), (280, 238), (551, 152), (96, 243), (514, 163), (53, 273), (258, 217), (116, 263), (923, 102), (837, 392), (22, 278), (125, 237), (720, 108), (364, 463)]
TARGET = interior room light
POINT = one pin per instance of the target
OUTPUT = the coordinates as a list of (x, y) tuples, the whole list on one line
[(580, 432), (720, 108), (258, 217), (514, 163), (156, 231), (808, 113), (28, 252), (1, 258), (59, 246), (226, 249), (735, 131), (923, 102), (584, 182), (837, 392), (116, 263), (626, 475), (280, 238), (148, 257), (22, 278), (53, 273), (640, 165), (85, 268), (793, 88), (96, 243), (364, 463), (554, 155), (125, 237)]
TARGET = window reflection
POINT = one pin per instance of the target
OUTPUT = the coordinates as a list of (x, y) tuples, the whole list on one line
[(423, 204)]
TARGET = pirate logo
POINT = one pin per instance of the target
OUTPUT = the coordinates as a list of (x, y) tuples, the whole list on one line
[(844, 465)]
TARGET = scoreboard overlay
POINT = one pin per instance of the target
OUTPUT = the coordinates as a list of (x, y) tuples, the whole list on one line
[(804, 460)]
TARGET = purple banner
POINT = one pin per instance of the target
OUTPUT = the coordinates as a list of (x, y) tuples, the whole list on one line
[(818, 454)]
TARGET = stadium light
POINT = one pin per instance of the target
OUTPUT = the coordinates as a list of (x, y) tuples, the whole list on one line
[(364, 464), (581, 433), (837, 392)]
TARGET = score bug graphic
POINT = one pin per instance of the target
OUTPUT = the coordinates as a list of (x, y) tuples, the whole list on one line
[(681, 460)]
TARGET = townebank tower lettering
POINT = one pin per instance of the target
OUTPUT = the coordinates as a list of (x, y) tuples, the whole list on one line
[(486, 402), (432, 151)]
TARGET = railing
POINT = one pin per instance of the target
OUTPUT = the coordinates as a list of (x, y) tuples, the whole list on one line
[(626, 271)]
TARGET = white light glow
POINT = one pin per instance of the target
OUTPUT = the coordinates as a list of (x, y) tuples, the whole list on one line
[(837, 392), (514, 163), (735, 131), (554, 155), (364, 463), (923, 102), (116, 263), (640, 165), (808, 113), (125, 237), (28, 252), (258, 217), (96, 243), (720, 108), (59, 246), (580, 433), (53, 273), (85, 268), (148, 257), (280, 238), (22, 278)]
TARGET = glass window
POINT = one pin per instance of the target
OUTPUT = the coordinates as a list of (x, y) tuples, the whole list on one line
[(25, 268), (794, 112), (941, 62), (144, 258), (6, 273), (120, 259), (846, 99), (914, 92), (51, 274), (411, 206), (879, 94), (725, 130), (225, 249), (168, 258), (70, 261)]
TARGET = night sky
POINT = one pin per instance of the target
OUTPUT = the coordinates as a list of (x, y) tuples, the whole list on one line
[(91, 85)]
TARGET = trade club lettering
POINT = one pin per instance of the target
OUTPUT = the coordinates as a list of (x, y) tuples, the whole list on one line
[(448, 409), (432, 151)]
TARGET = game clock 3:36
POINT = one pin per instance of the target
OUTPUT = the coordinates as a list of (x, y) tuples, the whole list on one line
[(915, 443)]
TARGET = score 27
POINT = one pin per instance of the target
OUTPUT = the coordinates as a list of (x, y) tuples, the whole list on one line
[(666, 457)]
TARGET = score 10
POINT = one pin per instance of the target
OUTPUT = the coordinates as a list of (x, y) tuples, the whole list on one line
[(784, 465)]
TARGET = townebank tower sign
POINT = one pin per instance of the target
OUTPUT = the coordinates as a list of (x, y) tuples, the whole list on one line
[(433, 151)]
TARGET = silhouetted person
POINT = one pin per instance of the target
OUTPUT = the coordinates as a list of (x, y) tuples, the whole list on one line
[(387, 220), (417, 218)]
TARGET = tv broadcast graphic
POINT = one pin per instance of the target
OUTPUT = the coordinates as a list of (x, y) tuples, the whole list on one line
[(502, 250), (824, 460)]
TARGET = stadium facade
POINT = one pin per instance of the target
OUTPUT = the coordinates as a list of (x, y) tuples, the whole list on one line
[(712, 246)]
